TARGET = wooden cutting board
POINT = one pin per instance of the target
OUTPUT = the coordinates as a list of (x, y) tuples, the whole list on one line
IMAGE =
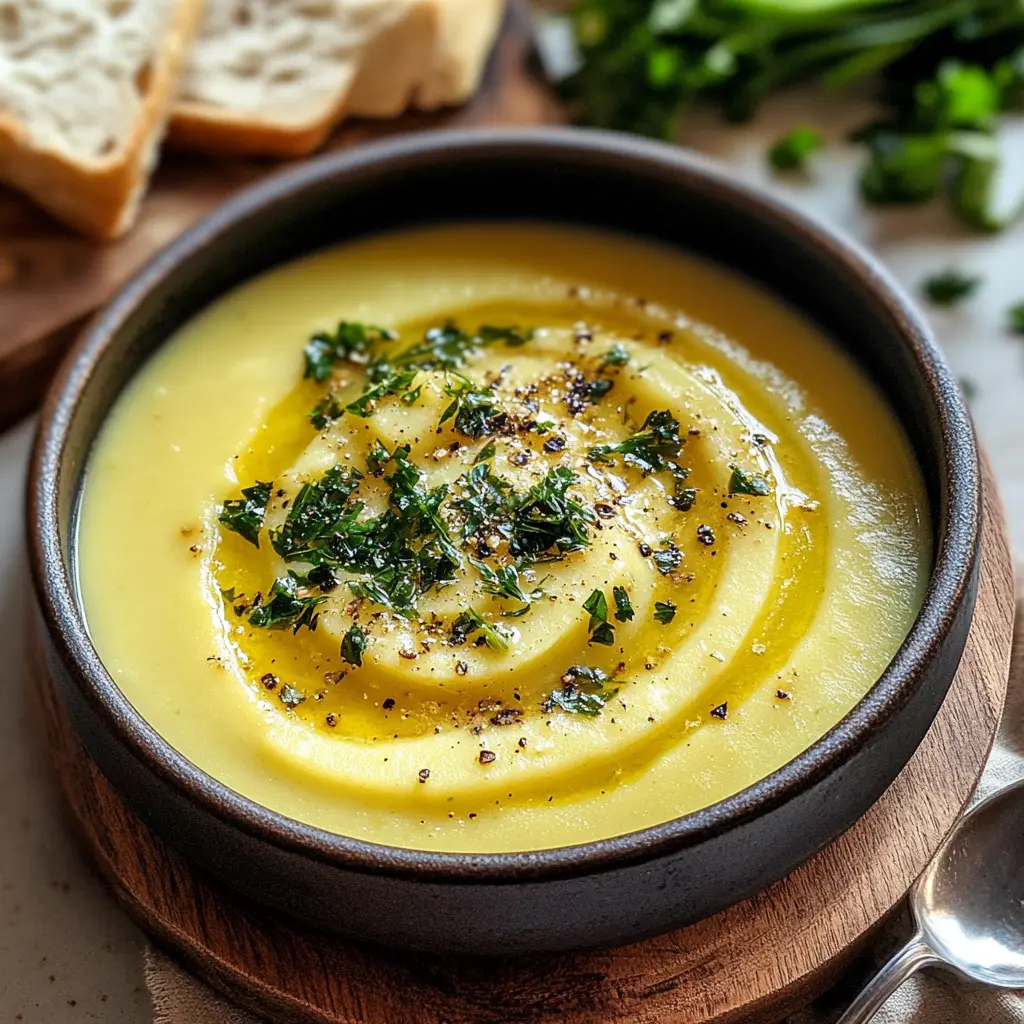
[(51, 280)]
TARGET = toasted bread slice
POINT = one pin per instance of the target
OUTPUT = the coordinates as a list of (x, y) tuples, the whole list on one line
[(85, 90), (274, 77)]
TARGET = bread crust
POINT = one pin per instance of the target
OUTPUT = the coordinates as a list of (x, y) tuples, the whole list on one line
[(100, 198)]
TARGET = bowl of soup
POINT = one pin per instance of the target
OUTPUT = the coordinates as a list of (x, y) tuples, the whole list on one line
[(502, 542)]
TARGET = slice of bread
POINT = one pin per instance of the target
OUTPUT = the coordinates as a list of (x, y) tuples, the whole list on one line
[(274, 77), (85, 90), (467, 32)]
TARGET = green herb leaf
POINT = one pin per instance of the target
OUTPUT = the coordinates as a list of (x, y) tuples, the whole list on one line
[(546, 518), (378, 458), (791, 151), (950, 286), (664, 611), (668, 559), (353, 645), (349, 342), (504, 582), (470, 621), (245, 515), (617, 355), (485, 453), (582, 692), (475, 409), (286, 607), (319, 512), (597, 605), (604, 634), (1016, 318), (742, 482), (650, 448), (623, 609), (391, 384), (447, 348)]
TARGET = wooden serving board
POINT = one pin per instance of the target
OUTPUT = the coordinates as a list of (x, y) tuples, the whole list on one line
[(51, 280), (757, 961)]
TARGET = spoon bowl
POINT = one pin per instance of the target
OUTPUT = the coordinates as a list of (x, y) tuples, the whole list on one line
[(969, 903), (968, 906)]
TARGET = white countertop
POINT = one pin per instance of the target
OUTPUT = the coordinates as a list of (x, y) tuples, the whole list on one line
[(67, 954)]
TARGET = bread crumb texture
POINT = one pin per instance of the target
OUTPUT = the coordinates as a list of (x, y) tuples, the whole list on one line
[(287, 59), (75, 74)]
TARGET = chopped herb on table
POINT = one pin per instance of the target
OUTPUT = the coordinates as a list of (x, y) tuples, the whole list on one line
[(792, 151), (1016, 318), (245, 515), (950, 286), (947, 72)]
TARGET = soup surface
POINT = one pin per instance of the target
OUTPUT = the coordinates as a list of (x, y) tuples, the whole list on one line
[(498, 538)]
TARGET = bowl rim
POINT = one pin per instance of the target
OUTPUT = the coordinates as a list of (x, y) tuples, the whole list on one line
[(957, 525)]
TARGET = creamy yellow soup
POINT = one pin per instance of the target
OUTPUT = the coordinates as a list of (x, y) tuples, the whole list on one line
[(498, 538)]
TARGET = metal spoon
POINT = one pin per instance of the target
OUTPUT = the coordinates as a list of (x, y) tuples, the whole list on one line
[(968, 906)]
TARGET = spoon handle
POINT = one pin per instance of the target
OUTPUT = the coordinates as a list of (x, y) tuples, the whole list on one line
[(913, 956)]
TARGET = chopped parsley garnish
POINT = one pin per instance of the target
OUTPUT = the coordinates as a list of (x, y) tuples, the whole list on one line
[(664, 611), (389, 384), (582, 692), (597, 605), (791, 151), (289, 696), (245, 515), (446, 348), (623, 609), (742, 482), (349, 342), (469, 622), (286, 607), (504, 582), (950, 286), (475, 409), (486, 501), (546, 519), (1016, 318), (326, 411), (617, 355), (668, 559), (378, 458), (650, 448), (353, 646), (319, 512), (601, 630), (485, 453)]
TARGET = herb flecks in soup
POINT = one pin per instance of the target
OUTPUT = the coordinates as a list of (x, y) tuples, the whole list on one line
[(498, 538)]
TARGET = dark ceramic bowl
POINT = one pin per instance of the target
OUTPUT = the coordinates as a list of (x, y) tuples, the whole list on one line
[(604, 892)]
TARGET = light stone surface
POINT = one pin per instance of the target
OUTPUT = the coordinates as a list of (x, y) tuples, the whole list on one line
[(68, 955)]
